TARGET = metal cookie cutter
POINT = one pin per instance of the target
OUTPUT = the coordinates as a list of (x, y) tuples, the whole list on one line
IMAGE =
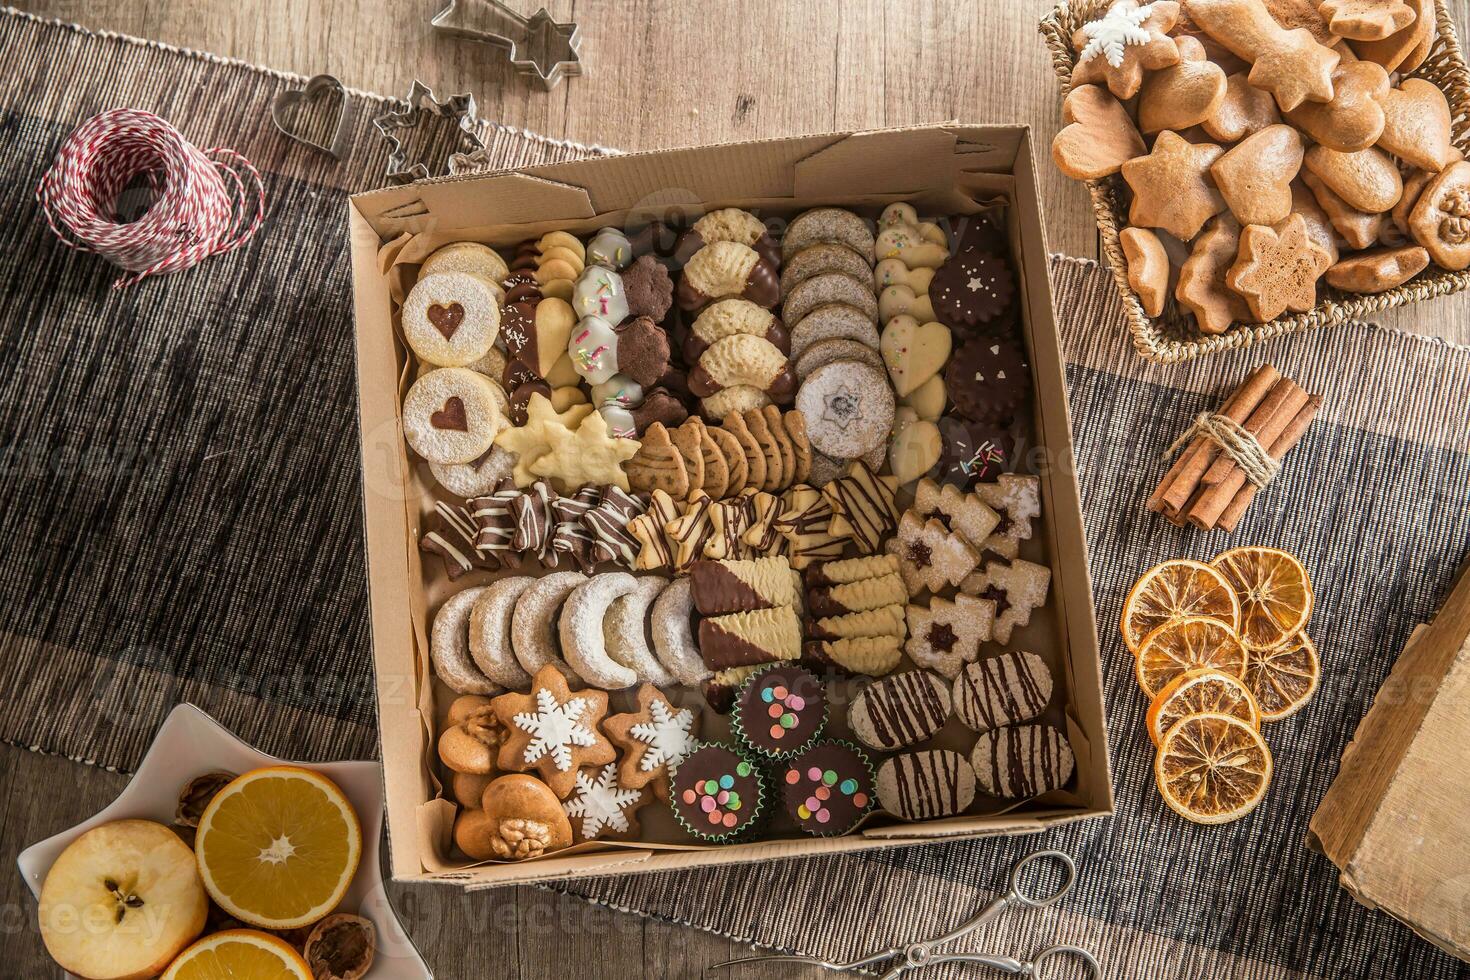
[(916, 955), (460, 108), (536, 45), (318, 88)]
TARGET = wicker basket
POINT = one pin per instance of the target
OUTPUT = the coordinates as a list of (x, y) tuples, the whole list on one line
[(1173, 336)]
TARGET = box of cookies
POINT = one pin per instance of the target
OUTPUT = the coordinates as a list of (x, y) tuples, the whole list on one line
[(1260, 167), (720, 506)]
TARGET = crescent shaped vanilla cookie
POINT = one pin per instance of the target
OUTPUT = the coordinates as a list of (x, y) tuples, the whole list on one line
[(449, 646), (580, 625), (743, 359), (625, 632), (673, 635), (533, 637), (490, 632), (727, 269)]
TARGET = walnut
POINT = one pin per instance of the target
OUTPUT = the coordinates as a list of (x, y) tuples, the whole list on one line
[(472, 737), (1455, 227), (517, 839), (341, 947), (196, 794), (483, 726)]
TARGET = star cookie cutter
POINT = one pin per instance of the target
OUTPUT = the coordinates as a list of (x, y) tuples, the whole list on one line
[(460, 108), (318, 88), (536, 45)]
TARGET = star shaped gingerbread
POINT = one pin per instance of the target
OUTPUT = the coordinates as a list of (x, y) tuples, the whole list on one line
[(1129, 39)]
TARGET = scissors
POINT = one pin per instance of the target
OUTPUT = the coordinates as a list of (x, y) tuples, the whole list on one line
[(917, 955)]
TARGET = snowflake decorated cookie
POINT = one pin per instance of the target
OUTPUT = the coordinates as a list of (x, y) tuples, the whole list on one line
[(1131, 37), (601, 807), (553, 730), (654, 739)]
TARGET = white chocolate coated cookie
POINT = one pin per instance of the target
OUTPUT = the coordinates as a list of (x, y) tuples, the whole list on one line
[(452, 415), (451, 318)]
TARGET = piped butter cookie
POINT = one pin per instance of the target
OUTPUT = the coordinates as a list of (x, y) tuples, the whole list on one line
[(724, 270)]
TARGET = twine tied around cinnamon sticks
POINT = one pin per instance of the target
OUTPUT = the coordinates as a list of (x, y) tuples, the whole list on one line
[(1232, 453)]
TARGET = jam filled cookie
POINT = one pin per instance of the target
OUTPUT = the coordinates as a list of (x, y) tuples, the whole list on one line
[(848, 407), (451, 318), (452, 415), (828, 788)]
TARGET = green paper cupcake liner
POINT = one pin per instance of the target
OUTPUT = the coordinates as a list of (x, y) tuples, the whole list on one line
[(779, 778), (752, 823), (737, 721)]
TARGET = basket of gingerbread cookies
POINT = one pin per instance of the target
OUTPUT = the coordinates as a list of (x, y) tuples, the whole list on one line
[(730, 535), (1260, 167)]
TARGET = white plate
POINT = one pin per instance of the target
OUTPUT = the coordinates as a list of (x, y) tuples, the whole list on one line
[(189, 743)]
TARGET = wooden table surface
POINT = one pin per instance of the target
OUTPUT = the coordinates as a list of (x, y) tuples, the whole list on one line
[(657, 73)]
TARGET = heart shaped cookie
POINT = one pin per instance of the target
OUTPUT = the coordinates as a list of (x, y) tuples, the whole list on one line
[(1416, 125), (913, 352), (915, 447), (1181, 95), (1099, 136)]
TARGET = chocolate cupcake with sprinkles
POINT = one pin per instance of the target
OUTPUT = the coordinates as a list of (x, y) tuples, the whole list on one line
[(718, 794), (828, 788), (780, 710)]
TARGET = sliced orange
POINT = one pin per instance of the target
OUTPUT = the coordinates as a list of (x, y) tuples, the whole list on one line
[(1173, 590), (1184, 645), (1212, 768), (278, 847), (1201, 691), (1275, 594), (1283, 678), (239, 954)]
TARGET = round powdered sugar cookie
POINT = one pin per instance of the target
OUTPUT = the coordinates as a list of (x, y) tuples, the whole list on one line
[(452, 415), (827, 225), (833, 320), (1011, 687), (832, 349), (1021, 761), (451, 318), (673, 636), (988, 379), (477, 479), (490, 632), (926, 785), (848, 407), (581, 629), (824, 257), (900, 710), (533, 635), (972, 288), (471, 257), (449, 646), (625, 632)]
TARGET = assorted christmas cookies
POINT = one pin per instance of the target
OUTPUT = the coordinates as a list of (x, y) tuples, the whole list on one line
[(720, 506)]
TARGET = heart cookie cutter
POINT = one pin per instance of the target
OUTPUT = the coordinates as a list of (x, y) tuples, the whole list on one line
[(460, 108), (317, 87), (536, 45)]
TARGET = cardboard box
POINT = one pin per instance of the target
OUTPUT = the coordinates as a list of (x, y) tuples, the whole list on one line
[(1395, 821), (942, 170)]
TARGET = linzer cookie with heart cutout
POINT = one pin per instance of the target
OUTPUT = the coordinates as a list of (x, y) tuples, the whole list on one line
[(452, 415), (451, 318)]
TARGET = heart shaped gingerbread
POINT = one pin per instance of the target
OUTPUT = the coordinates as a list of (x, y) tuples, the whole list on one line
[(1099, 136), (913, 352), (1416, 125)]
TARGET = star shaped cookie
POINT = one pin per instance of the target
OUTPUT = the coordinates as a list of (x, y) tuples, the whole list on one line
[(1119, 46), (1278, 271), (1172, 188), (553, 730), (533, 440), (654, 739), (591, 456)]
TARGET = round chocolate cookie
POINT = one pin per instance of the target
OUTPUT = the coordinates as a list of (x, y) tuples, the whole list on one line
[(780, 710), (988, 379), (971, 288), (973, 452), (828, 788), (716, 793)]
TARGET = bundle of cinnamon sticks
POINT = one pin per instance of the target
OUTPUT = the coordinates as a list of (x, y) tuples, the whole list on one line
[(1206, 487)]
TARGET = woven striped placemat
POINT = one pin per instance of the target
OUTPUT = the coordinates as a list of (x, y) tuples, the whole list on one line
[(179, 467)]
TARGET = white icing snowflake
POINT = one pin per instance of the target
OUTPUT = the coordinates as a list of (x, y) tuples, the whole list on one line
[(554, 728), (601, 803), (1121, 26), (667, 735)]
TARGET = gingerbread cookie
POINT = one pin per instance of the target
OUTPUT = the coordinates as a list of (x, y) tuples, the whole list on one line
[(1127, 40), (1098, 137), (519, 818), (1366, 20), (654, 740), (1358, 229), (1201, 288), (1440, 220), (1404, 49), (553, 731), (1278, 270), (1172, 188), (1255, 175), (1366, 180), (848, 408), (1184, 94), (450, 318), (1354, 119), (658, 465), (452, 415), (1291, 64), (1148, 268), (1244, 110), (600, 807), (1373, 272), (1416, 124), (724, 270), (945, 635)]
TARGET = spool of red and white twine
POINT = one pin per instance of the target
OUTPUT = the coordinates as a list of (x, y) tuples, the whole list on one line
[(203, 202)]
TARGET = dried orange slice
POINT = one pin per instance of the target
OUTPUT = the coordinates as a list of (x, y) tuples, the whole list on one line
[(1212, 768), (1184, 645), (1275, 594), (1283, 678), (1202, 691), (1173, 590), (239, 953), (278, 847)]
